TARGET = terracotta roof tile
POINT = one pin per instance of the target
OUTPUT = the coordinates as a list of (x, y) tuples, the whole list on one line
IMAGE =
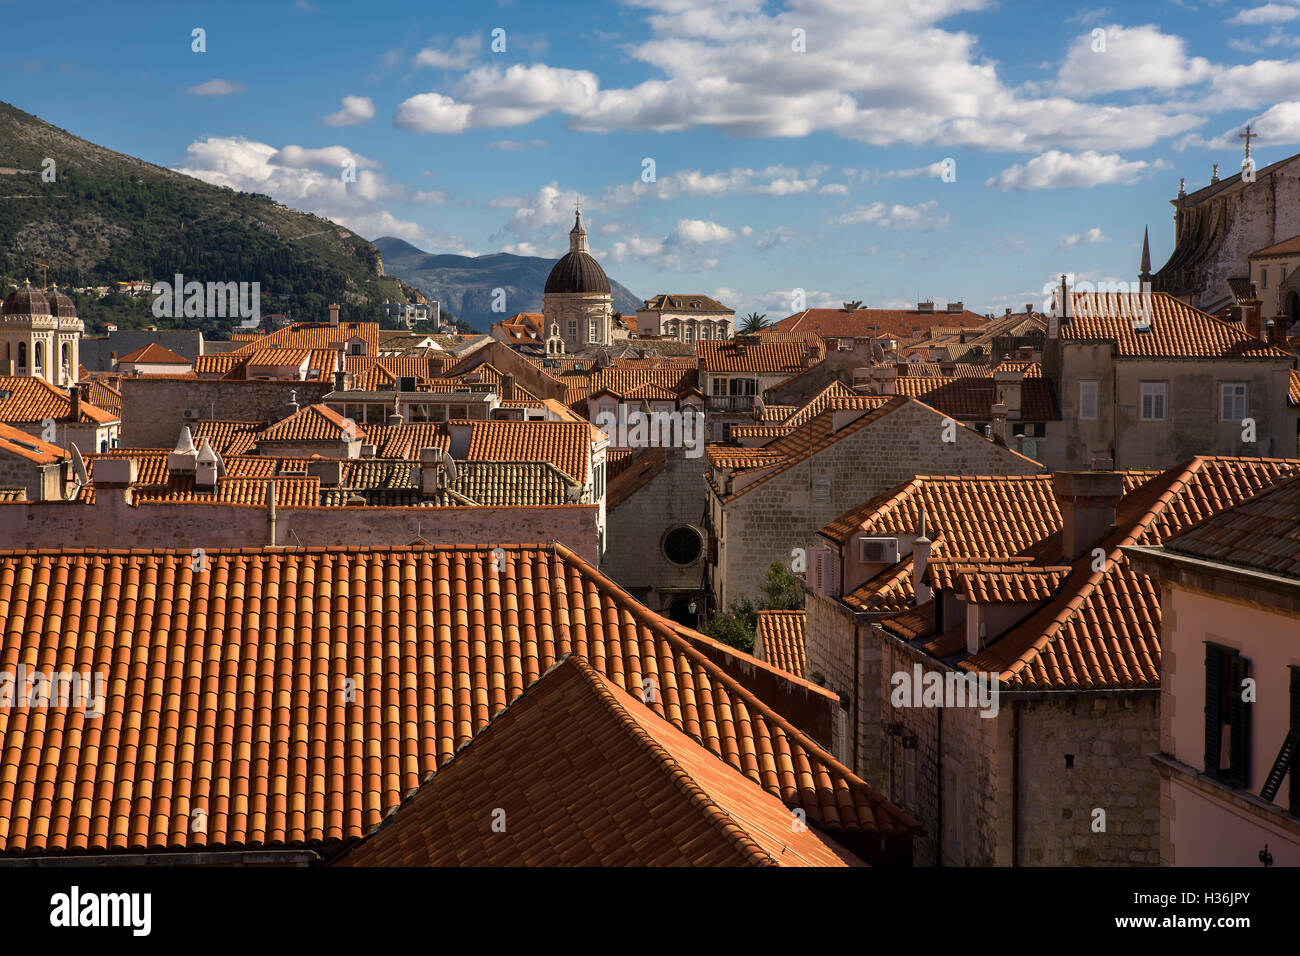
[(781, 634), (1176, 329), (837, 323), (1261, 533), (154, 354), (604, 759), (770, 353), (313, 423), (29, 399), (243, 710), (15, 441), (567, 445)]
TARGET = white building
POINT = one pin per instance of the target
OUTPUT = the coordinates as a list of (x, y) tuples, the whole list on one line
[(40, 335), (686, 318)]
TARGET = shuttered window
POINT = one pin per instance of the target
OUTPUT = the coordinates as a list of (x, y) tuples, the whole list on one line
[(1227, 716)]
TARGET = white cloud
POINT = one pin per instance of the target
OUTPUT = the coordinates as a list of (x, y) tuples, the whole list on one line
[(450, 55), (215, 88), (1268, 13), (881, 74), (696, 231), (432, 113), (1134, 58), (1091, 237), (1254, 84), (895, 216), (834, 189), (306, 179), (1058, 170), (1279, 125), (934, 170), (356, 109)]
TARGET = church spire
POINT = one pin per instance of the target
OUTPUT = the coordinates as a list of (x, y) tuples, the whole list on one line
[(1145, 275), (578, 235)]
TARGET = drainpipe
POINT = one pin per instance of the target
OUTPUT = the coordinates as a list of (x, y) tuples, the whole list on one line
[(938, 804)]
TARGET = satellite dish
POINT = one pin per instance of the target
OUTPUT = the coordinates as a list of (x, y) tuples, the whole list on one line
[(449, 465), (78, 464)]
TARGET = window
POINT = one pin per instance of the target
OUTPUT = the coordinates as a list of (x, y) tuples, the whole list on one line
[(1088, 401), (682, 545), (719, 386), (1153, 401), (592, 327), (1227, 716), (688, 333), (1232, 401), (1263, 278), (22, 356), (39, 353), (573, 330)]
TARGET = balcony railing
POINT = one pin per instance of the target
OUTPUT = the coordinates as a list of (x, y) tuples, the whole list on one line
[(731, 403)]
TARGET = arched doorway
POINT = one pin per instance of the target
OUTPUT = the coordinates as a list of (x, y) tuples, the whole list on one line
[(1293, 308)]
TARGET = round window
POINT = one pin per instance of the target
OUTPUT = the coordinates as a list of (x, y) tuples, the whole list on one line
[(683, 546)]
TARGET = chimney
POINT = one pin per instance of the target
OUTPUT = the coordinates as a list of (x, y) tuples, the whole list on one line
[(1252, 311), (1010, 387), (112, 359), (270, 512), (947, 367), (207, 467), (113, 480), (329, 471), (1000, 423), (925, 308), (921, 548), (340, 381), (1029, 308), (884, 381), (185, 455), (74, 394), (334, 315), (1087, 500), (956, 308), (1277, 331), (507, 387)]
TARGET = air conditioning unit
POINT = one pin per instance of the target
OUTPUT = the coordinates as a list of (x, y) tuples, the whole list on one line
[(878, 550), (192, 414)]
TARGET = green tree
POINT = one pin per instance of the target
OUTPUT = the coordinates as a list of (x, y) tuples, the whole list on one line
[(852, 306), (753, 323), (736, 626), (784, 589)]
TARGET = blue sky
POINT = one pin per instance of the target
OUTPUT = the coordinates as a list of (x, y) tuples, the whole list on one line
[(775, 168)]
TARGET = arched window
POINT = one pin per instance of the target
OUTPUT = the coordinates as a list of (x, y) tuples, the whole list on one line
[(39, 364), (22, 356), (65, 355)]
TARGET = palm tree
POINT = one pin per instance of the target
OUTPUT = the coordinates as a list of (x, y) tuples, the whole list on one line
[(753, 323), (853, 306)]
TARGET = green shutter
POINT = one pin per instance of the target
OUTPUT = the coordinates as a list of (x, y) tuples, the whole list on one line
[(1213, 722)]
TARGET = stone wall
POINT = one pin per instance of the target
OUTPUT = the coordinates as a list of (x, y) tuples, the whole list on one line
[(153, 410), (634, 555), (111, 523), (763, 525)]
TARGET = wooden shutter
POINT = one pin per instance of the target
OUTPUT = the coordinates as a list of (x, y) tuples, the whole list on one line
[(1238, 722), (1213, 722)]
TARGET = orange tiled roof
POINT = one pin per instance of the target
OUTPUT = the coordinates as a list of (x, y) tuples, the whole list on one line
[(769, 353), (15, 441), (1293, 393), (837, 323), (1176, 330), (103, 395), (972, 398), (314, 335), (1261, 533), (1002, 581), (154, 354), (244, 710), (567, 445), (226, 437), (1100, 628), (313, 423), (26, 398), (407, 439), (603, 758), (781, 634)]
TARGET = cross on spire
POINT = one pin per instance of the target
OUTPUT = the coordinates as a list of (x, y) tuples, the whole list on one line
[(1247, 136)]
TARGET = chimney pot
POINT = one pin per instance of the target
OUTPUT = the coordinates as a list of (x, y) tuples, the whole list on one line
[(334, 314), (1087, 500)]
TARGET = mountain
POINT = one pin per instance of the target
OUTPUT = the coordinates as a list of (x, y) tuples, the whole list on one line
[(466, 284), (107, 217)]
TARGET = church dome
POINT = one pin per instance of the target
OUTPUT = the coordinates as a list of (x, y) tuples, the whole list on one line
[(61, 305), (27, 301), (577, 272)]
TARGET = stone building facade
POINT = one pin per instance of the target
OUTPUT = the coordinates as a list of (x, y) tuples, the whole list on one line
[(577, 298), (686, 318)]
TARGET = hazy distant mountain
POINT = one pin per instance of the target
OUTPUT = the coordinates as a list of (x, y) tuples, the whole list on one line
[(107, 217), (464, 284)]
